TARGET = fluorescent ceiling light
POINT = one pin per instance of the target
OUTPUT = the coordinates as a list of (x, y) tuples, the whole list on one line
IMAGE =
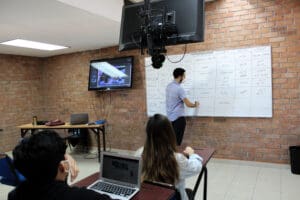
[(33, 45)]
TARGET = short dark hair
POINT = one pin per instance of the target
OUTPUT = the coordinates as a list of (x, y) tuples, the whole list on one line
[(178, 72), (38, 157)]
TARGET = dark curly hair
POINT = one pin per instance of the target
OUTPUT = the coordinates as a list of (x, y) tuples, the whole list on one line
[(38, 157), (178, 72)]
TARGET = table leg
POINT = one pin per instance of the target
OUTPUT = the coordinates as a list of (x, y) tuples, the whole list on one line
[(198, 181), (205, 184), (203, 171), (97, 132), (98, 144), (103, 137)]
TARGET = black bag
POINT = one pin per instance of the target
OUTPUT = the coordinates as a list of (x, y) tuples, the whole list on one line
[(78, 136)]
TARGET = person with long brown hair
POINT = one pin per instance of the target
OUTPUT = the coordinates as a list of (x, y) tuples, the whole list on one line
[(161, 161)]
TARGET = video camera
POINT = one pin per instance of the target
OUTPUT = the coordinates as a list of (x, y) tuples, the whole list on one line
[(157, 24)]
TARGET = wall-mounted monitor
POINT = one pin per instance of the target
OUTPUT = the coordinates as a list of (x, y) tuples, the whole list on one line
[(111, 73), (187, 16)]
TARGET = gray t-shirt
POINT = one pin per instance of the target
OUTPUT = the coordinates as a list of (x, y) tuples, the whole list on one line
[(174, 101)]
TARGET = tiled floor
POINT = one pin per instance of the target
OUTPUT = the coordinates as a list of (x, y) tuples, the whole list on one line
[(227, 180), (243, 180)]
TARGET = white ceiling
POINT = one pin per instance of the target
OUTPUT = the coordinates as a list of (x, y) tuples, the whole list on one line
[(78, 24)]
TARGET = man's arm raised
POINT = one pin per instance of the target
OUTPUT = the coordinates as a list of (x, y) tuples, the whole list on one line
[(189, 104)]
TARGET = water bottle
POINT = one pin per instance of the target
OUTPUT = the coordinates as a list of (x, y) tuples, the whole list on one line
[(34, 120)]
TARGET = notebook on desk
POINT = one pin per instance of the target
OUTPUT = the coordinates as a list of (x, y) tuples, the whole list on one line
[(119, 176)]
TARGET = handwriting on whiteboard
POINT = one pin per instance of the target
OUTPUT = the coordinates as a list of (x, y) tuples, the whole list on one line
[(227, 83)]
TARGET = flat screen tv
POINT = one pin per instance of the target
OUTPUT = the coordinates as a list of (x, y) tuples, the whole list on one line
[(187, 16), (112, 73)]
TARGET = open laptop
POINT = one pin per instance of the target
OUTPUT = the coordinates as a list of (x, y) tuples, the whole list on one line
[(119, 176), (79, 118)]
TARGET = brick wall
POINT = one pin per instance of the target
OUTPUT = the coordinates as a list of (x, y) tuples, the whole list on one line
[(229, 24), (20, 95), (237, 23), (66, 83)]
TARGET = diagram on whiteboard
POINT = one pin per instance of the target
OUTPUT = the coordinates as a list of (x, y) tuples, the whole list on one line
[(229, 83)]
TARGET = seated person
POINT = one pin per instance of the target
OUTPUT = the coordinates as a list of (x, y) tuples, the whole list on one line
[(161, 161), (43, 161)]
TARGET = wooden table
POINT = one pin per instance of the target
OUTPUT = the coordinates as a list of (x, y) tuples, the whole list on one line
[(94, 128)]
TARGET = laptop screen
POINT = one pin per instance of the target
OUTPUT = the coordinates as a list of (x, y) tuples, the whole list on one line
[(120, 169)]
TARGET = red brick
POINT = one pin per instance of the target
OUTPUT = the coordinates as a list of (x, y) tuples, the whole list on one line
[(277, 39), (270, 35), (280, 80), (251, 26)]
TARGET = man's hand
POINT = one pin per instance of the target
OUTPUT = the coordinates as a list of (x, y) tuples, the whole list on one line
[(189, 104)]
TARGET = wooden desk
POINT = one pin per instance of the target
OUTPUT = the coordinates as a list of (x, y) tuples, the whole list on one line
[(151, 192), (94, 128), (147, 192)]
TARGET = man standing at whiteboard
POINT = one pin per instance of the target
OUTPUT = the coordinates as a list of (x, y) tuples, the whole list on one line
[(175, 100)]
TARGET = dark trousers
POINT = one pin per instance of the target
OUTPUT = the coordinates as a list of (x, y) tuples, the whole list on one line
[(179, 127)]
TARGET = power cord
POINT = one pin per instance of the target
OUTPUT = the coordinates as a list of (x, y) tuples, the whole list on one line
[(185, 47)]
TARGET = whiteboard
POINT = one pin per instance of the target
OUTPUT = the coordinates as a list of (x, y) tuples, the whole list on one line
[(227, 83)]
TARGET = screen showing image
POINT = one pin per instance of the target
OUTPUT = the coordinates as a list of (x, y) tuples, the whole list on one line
[(120, 169), (109, 74)]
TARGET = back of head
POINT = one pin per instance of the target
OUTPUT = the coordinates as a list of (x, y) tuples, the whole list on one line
[(38, 157), (178, 72), (159, 162)]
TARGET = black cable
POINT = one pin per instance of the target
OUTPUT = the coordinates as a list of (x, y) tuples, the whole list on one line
[(94, 107), (106, 115), (180, 58)]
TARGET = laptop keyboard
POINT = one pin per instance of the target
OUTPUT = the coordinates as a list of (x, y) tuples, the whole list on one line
[(113, 189)]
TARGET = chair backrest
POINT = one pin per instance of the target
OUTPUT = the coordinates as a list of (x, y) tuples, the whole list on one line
[(166, 185), (8, 174)]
